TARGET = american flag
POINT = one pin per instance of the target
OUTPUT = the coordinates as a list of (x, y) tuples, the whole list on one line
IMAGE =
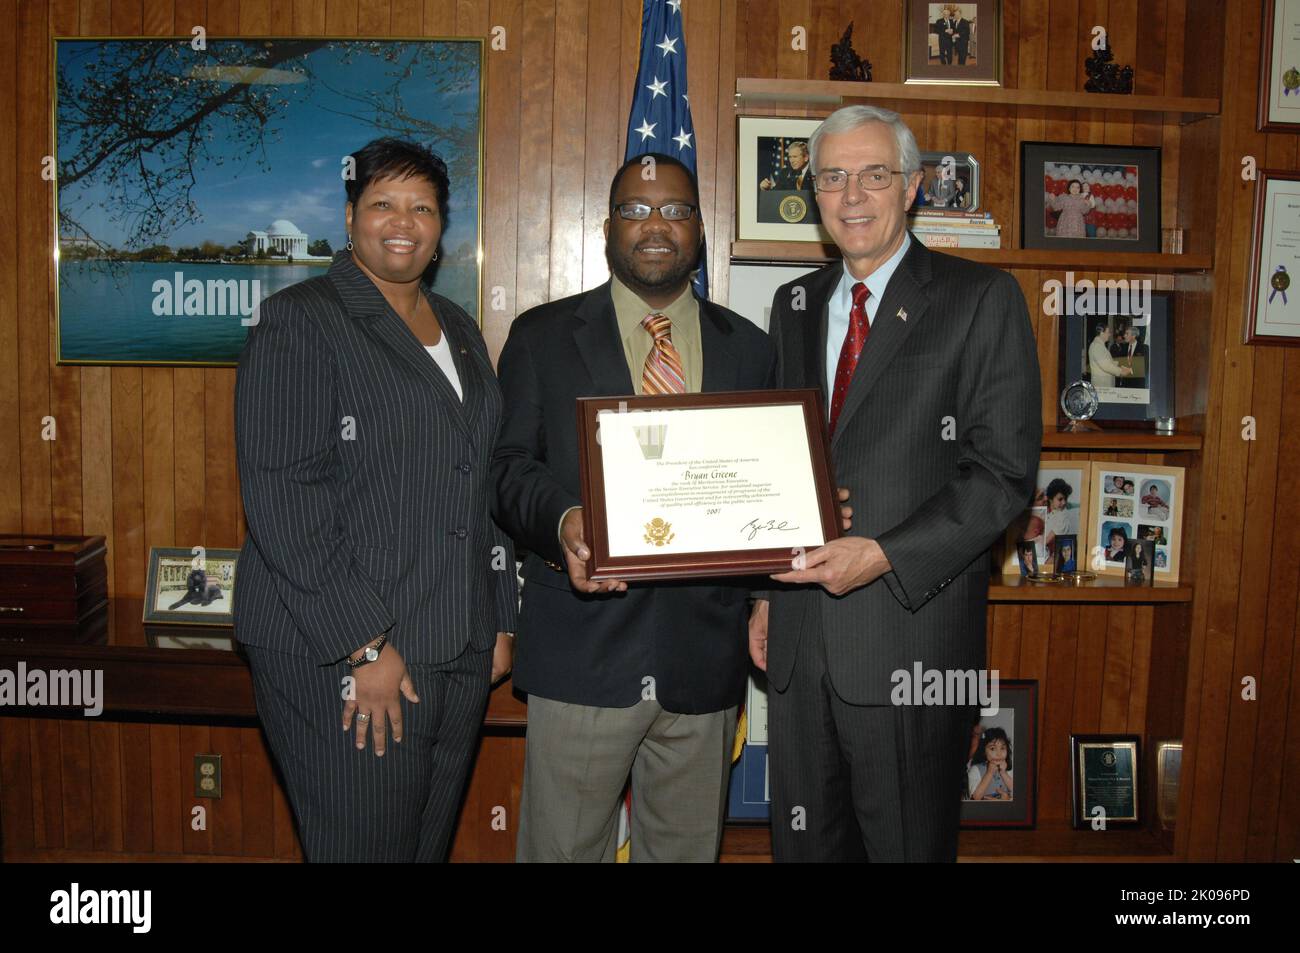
[(660, 119)]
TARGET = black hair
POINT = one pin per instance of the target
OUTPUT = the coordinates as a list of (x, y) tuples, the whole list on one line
[(659, 159), (390, 158), (1123, 532), (992, 734), (1056, 486)]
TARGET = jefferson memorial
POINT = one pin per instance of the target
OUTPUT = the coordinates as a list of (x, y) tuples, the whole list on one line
[(282, 239)]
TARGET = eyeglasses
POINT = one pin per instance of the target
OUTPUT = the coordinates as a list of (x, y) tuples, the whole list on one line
[(638, 212), (873, 178)]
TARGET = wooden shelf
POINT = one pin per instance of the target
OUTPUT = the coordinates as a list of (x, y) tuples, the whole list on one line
[(827, 94), (746, 842), (1101, 589), (1123, 440), (1110, 262)]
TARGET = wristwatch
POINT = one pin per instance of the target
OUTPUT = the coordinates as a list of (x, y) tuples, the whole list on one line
[(371, 653)]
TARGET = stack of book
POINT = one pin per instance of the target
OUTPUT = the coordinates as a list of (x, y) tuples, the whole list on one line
[(953, 228)]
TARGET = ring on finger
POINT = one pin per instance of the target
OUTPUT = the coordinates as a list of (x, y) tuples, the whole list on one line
[(363, 717)]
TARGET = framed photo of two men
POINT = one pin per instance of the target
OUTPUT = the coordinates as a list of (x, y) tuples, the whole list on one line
[(957, 44)]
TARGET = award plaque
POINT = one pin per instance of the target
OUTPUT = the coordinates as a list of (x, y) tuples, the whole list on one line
[(1105, 773), (711, 484)]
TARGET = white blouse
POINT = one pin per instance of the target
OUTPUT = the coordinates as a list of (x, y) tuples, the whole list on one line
[(441, 353)]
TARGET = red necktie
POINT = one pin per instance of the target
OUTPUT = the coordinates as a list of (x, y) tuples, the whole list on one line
[(859, 328)]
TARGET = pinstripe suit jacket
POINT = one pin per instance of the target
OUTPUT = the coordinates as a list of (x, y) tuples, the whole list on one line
[(595, 650), (365, 479), (965, 350)]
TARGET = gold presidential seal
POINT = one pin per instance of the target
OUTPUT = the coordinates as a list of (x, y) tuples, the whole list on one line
[(793, 208), (659, 532)]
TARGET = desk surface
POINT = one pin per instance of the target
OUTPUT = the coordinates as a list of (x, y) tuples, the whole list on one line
[(141, 679)]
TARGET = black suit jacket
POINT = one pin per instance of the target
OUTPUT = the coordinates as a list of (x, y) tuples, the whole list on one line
[(690, 637), (962, 364), (1120, 350), (365, 479), (786, 179)]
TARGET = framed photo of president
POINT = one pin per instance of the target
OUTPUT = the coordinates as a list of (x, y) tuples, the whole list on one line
[(775, 197), (220, 180), (1119, 336), (954, 44)]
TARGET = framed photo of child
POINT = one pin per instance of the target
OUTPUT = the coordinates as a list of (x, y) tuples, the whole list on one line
[(1000, 784), (1058, 506), (1136, 502)]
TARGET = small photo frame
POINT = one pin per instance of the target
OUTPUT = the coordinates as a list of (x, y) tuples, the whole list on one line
[(1119, 336), (1058, 506), (950, 186), (752, 286), (1067, 554), (1169, 766), (1089, 198), (1271, 318), (953, 44), (191, 586), (775, 198), (1106, 775), (1154, 494), (1027, 557), (1000, 785), (1139, 562)]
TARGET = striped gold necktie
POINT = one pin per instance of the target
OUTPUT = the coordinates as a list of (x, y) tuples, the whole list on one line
[(663, 365)]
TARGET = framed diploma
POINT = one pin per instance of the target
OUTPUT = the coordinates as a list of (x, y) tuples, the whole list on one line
[(713, 484), (1104, 769), (1272, 317), (1279, 82)]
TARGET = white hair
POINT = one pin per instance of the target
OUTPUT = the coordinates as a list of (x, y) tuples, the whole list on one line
[(848, 118)]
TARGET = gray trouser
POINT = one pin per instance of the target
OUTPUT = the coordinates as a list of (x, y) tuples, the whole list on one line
[(577, 761)]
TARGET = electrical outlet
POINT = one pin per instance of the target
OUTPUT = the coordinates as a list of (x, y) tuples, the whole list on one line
[(207, 775)]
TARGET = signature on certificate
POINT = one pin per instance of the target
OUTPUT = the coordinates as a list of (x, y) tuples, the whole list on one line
[(759, 525)]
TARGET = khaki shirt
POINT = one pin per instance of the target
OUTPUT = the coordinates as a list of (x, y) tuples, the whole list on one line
[(684, 313)]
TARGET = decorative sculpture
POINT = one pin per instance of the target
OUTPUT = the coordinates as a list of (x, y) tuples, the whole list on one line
[(845, 62)]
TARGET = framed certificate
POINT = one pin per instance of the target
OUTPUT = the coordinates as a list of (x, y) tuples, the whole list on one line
[(1279, 82), (1106, 780), (1272, 318), (713, 484)]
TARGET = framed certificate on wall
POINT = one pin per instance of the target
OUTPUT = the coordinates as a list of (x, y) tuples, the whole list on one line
[(1272, 316), (1279, 82)]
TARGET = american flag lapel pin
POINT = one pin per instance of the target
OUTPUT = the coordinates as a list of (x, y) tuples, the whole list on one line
[(902, 314)]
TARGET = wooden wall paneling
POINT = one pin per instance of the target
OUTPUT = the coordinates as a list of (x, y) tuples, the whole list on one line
[(827, 23), (11, 495), (374, 17), (762, 18), (569, 160), (342, 18), (878, 37), (1141, 668), (501, 172), (17, 814), (106, 783), (47, 777), (1063, 26), (1096, 628), (405, 18), (309, 17), (1058, 713), (702, 43), (627, 44), (137, 788), (791, 63), (225, 814), (1004, 627), (193, 740), (258, 783), (536, 66), (77, 785), (602, 155), (1123, 626), (495, 784), (169, 798), (439, 18), (252, 18), (31, 252)]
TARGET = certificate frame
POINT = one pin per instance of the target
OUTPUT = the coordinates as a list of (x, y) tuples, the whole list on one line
[(732, 562), (1080, 747), (1274, 70), (1258, 328)]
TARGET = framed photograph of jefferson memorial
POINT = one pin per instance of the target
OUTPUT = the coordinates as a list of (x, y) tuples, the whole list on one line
[(191, 184)]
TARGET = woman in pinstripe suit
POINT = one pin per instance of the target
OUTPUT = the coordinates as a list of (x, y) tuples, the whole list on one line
[(375, 590)]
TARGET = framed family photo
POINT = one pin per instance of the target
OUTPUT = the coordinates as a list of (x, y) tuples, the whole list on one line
[(1089, 198), (1058, 509), (1279, 81), (775, 197), (956, 44), (1122, 344), (1001, 780), (220, 179), (191, 586), (1271, 318), (1136, 502)]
